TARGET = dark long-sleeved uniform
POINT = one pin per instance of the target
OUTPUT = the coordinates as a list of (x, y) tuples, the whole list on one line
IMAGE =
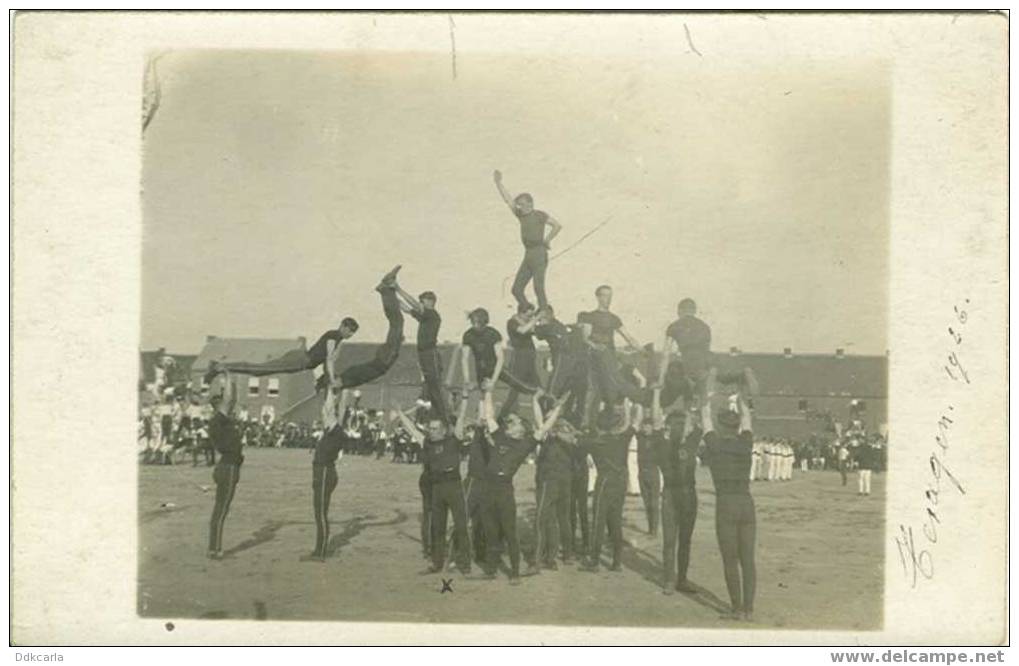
[(609, 451), (226, 439), (500, 506), (552, 516), (323, 483), (442, 464), (729, 458), (676, 457)]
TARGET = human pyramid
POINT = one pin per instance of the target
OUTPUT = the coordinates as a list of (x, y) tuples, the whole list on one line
[(591, 404)]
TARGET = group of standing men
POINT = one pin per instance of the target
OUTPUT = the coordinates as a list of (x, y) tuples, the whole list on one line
[(592, 404)]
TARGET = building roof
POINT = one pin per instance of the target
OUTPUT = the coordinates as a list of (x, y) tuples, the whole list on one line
[(818, 374), (246, 350)]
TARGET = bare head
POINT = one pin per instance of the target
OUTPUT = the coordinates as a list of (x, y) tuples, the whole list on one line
[(514, 426), (523, 203), (686, 308), (427, 300), (610, 418), (675, 422), (728, 422), (604, 296), (436, 429), (479, 318), (348, 327)]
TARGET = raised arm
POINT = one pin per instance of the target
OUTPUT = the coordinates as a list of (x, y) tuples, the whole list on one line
[(657, 415), (410, 427), (408, 303), (707, 424), (461, 420), (745, 420), (332, 351), (466, 365), (539, 416), (503, 192), (667, 350), (542, 432), (488, 411), (638, 416)]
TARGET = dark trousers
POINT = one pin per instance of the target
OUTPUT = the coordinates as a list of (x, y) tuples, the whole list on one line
[(386, 353), (323, 482), (430, 362), (523, 372), (448, 497), (569, 373), (609, 384), (736, 528), (500, 516), (682, 382), (425, 486), (474, 493), (532, 267), (844, 471), (609, 495), (650, 491), (226, 476), (679, 514), (552, 519), (578, 510)]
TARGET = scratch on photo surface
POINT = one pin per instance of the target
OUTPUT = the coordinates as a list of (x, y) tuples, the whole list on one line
[(689, 40), (452, 43)]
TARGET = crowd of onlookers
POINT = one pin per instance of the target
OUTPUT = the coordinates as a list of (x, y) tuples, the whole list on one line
[(176, 430)]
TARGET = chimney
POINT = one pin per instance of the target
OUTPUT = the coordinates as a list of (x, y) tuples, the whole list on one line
[(210, 338), (840, 353), (733, 351), (788, 352)]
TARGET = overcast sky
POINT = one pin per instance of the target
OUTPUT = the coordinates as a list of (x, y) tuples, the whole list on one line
[(279, 186)]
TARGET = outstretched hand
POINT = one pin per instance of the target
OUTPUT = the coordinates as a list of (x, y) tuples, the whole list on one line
[(497, 175)]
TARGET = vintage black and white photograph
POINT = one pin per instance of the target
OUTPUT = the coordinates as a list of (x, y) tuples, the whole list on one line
[(506, 339), (461, 327)]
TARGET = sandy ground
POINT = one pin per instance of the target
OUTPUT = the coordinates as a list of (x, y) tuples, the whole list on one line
[(819, 555)]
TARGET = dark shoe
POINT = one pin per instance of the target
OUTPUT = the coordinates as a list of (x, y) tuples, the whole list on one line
[(551, 565), (667, 590), (314, 557), (616, 566), (589, 566), (685, 587), (434, 569), (389, 279), (532, 570), (514, 579)]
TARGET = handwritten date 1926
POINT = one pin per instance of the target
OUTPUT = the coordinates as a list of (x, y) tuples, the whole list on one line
[(915, 550)]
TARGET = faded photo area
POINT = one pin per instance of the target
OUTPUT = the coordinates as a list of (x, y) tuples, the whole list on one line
[(514, 340)]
